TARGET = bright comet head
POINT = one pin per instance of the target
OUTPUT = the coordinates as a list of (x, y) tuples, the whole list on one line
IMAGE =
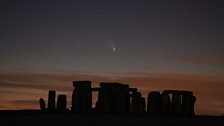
[(114, 49)]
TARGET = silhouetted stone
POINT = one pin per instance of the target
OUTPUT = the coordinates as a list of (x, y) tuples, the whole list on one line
[(104, 98), (113, 97), (154, 103), (95, 89), (135, 101), (182, 102), (51, 100), (42, 104), (82, 96), (122, 100), (188, 101), (119, 98), (61, 103), (133, 89), (176, 104), (165, 104), (143, 104), (138, 103)]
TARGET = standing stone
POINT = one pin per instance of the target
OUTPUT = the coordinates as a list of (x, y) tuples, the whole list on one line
[(135, 101), (188, 101), (176, 104), (113, 97), (121, 98), (143, 104), (42, 104), (104, 98), (51, 100), (165, 104), (82, 96), (107, 97), (138, 102), (62, 103), (154, 103)]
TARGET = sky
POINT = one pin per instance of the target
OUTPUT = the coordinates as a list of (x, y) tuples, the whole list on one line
[(149, 44)]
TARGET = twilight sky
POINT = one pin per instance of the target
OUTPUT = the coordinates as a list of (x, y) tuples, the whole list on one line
[(161, 44)]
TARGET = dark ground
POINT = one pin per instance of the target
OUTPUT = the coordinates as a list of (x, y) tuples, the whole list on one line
[(37, 118)]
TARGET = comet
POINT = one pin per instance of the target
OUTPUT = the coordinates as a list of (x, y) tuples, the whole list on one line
[(114, 49)]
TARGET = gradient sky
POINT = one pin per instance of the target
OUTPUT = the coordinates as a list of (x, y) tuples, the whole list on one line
[(161, 44)]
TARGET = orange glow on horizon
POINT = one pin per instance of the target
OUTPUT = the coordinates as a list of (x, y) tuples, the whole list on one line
[(22, 91)]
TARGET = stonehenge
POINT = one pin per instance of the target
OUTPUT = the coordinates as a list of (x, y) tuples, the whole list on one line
[(171, 102), (120, 98)]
